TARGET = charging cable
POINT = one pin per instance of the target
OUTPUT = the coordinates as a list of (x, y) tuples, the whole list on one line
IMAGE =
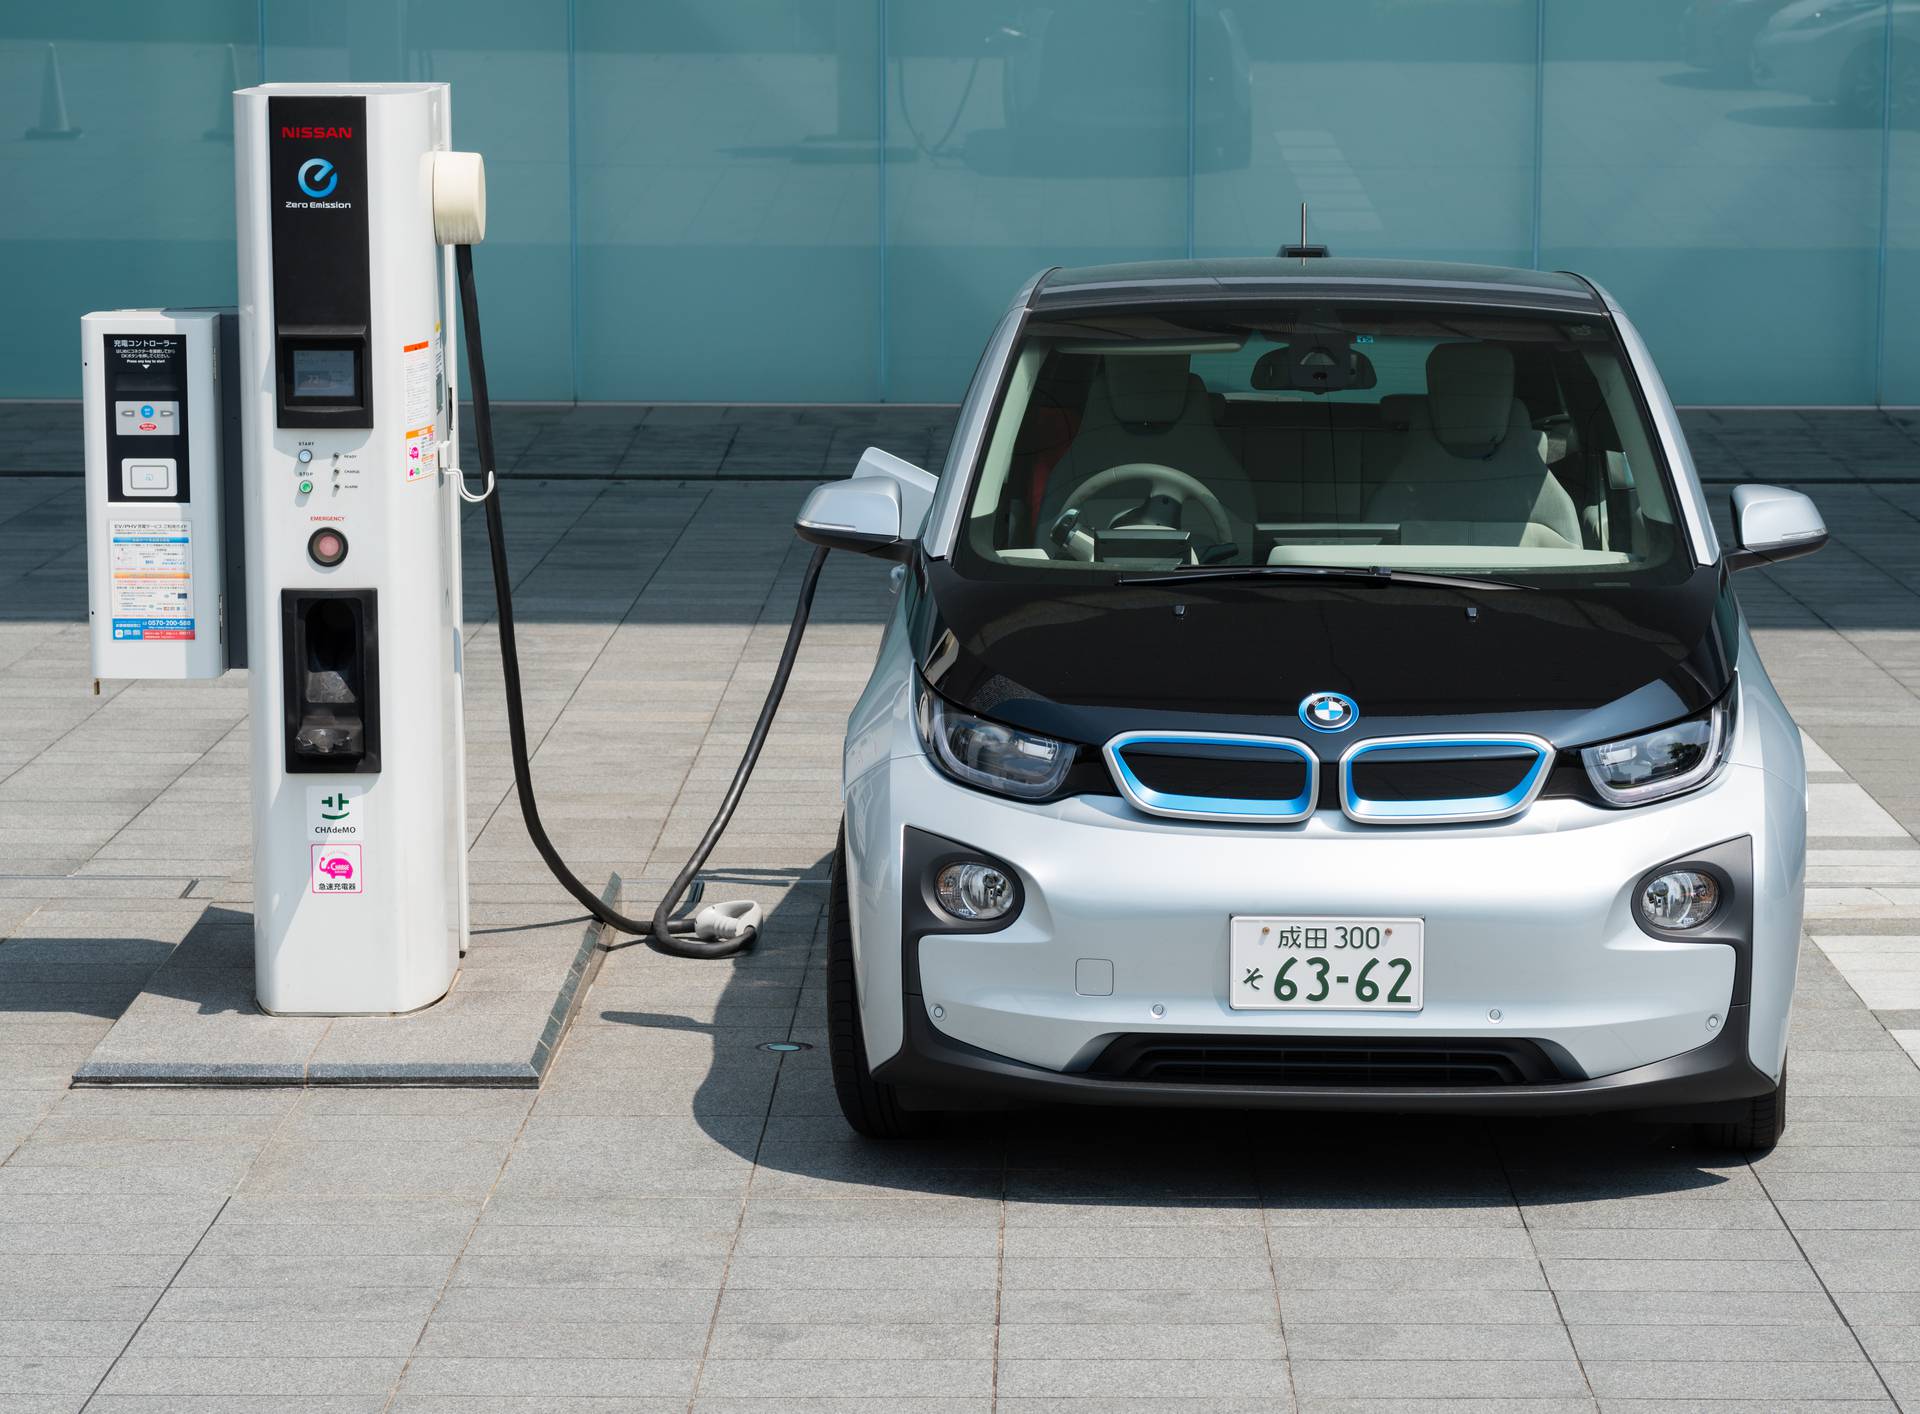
[(719, 930)]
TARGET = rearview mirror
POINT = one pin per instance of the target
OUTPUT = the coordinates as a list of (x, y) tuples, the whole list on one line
[(1773, 524), (879, 510)]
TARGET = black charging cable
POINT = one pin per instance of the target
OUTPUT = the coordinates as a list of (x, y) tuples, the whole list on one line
[(663, 932)]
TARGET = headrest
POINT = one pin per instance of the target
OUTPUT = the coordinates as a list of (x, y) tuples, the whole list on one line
[(1146, 387), (1470, 396)]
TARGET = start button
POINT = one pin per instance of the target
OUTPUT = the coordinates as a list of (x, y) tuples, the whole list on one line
[(327, 547)]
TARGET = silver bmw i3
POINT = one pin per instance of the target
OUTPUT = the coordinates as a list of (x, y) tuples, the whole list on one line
[(1315, 684)]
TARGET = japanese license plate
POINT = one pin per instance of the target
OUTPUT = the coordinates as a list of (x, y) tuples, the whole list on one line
[(1324, 964)]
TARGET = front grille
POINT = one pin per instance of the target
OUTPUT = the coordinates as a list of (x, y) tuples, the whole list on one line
[(1295, 1062), (1215, 776), (1440, 773), (1414, 780), (1218, 770)]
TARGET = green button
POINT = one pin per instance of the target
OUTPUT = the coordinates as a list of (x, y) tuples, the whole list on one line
[(306, 487)]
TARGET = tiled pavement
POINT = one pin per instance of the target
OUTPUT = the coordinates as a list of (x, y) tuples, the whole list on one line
[(679, 1220)]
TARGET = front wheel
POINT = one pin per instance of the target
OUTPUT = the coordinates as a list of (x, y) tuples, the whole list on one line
[(1758, 1128), (871, 1106)]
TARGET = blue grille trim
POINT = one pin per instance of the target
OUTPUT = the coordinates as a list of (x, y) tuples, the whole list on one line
[(1443, 812), (1227, 809)]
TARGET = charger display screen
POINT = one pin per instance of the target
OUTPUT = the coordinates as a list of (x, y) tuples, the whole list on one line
[(331, 374)]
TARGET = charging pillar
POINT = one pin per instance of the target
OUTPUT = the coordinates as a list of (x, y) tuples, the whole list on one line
[(353, 552)]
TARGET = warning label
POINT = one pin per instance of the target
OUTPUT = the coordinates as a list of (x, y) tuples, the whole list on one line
[(336, 869), (420, 459), (336, 814), (420, 371), (150, 579)]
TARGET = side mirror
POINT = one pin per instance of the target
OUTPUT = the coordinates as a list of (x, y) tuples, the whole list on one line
[(1773, 524), (879, 510)]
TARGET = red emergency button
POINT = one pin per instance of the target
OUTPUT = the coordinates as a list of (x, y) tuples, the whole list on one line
[(327, 547)]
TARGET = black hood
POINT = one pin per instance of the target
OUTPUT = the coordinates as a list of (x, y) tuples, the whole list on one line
[(1082, 661)]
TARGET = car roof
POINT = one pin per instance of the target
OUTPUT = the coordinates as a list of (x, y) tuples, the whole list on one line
[(1260, 278)]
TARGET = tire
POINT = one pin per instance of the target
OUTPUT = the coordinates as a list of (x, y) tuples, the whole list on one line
[(871, 1106), (1758, 1129)]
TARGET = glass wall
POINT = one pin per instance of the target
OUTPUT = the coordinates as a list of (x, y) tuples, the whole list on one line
[(831, 200)]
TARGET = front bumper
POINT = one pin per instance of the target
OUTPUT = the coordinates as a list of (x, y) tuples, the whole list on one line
[(1528, 917), (934, 1071)]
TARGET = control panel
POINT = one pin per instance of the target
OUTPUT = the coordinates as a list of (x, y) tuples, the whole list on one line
[(163, 542)]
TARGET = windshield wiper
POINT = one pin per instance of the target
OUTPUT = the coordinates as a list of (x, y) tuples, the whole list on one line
[(1373, 574)]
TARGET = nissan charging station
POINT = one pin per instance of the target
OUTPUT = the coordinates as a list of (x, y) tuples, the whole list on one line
[(347, 524), (288, 500)]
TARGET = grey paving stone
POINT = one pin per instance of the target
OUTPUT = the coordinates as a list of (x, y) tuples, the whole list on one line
[(1737, 1379), (252, 1375), (1439, 1379), (604, 1376)]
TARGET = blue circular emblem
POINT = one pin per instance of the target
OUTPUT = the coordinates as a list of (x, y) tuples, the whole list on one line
[(318, 178), (1329, 711)]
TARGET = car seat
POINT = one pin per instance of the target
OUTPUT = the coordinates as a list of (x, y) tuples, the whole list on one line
[(1149, 408), (1471, 472)]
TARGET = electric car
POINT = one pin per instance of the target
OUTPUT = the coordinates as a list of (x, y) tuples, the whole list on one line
[(1315, 684)]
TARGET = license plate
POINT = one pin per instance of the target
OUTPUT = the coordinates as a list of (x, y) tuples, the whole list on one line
[(1324, 964)]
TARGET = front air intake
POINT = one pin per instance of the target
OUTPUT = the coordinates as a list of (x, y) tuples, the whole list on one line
[(1337, 1062)]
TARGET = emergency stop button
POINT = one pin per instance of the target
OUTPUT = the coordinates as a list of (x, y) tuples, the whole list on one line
[(327, 547)]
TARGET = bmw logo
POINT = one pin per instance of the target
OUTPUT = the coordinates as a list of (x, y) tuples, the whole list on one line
[(1329, 711), (318, 178)]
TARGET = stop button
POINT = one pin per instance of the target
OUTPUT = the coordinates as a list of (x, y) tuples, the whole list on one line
[(327, 547)]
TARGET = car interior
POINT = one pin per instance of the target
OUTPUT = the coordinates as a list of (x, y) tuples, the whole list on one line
[(1436, 442)]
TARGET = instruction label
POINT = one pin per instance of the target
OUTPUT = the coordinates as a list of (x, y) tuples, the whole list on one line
[(336, 814), (151, 580), (420, 371), (336, 869)]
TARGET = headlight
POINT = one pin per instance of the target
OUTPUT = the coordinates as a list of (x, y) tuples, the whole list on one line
[(1657, 764), (988, 755)]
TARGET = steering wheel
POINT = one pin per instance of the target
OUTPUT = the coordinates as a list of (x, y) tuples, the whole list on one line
[(1170, 481)]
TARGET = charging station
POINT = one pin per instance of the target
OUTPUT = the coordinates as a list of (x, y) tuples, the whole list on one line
[(353, 575), (162, 432), (331, 420)]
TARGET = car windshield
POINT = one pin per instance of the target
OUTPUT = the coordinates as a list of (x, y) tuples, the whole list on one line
[(1291, 440)]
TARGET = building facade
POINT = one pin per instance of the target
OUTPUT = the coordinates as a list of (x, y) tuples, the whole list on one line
[(830, 200)]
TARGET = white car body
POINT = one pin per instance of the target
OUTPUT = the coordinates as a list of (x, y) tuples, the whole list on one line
[(1119, 940)]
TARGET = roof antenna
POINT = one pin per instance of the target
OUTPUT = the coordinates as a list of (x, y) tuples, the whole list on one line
[(1303, 251)]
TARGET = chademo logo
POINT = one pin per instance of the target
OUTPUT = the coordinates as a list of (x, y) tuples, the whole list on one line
[(318, 178)]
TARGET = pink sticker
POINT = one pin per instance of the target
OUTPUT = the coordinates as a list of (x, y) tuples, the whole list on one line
[(336, 869)]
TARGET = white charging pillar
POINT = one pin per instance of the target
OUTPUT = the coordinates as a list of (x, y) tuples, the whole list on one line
[(353, 552)]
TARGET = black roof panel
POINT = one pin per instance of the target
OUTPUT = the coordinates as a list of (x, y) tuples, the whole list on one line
[(1274, 277)]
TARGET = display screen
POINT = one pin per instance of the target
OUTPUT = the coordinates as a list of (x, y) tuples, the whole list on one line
[(326, 373)]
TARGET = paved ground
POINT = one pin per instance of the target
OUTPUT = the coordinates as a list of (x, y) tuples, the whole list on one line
[(679, 1220)]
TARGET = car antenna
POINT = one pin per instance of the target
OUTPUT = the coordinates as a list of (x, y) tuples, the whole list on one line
[(1303, 251)]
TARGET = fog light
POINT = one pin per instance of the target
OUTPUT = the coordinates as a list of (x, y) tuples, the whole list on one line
[(974, 892), (1681, 898)]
